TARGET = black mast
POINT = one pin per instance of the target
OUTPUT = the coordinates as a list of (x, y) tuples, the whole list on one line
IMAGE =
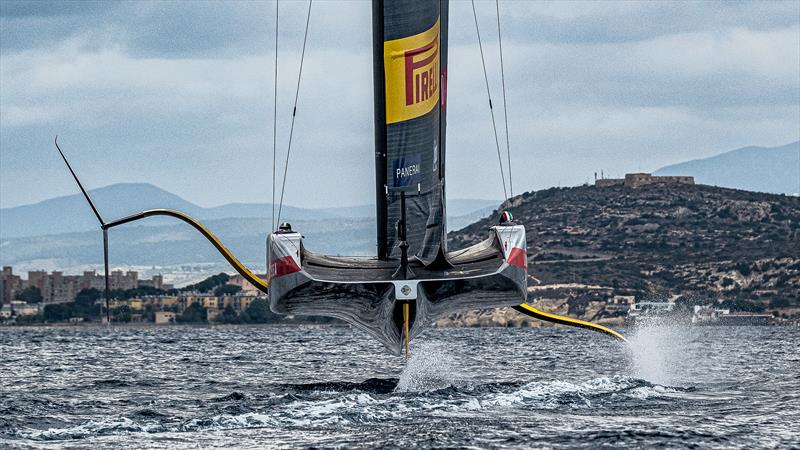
[(380, 127), (444, 17)]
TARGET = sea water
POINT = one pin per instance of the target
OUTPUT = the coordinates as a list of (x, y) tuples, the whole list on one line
[(261, 387)]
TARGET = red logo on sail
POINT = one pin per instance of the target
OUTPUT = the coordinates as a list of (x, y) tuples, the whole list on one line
[(421, 85)]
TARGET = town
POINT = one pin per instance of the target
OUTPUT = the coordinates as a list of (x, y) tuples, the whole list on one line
[(55, 297)]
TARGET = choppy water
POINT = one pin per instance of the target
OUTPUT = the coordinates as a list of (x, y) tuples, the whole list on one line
[(256, 387)]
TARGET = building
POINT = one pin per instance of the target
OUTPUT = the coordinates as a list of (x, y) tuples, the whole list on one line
[(635, 180), (642, 310), (164, 317), (10, 284), (90, 280), (157, 282), (56, 287), (18, 308), (161, 302), (708, 315), (124, 281), (247, 287), (23, 309)]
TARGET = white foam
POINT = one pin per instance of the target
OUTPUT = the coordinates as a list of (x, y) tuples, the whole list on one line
[(555, 393), (115, 425), (349, 408), (430, 367)]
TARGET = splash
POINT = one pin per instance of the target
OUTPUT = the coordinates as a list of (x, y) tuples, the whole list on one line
[(430, 368), (659, 350)]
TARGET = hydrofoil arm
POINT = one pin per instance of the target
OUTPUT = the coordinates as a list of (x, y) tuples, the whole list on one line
[(529, 310), (232, 260)]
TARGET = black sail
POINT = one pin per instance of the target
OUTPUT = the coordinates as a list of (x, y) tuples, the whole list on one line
[(410, 59)]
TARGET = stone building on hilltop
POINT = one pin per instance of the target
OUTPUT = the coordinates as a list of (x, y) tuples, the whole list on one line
[(635, 180)]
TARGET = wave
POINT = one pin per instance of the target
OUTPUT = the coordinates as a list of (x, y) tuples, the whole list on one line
[(116, 425), (558, 393), (233, 396), (371, 385), (374, 400)]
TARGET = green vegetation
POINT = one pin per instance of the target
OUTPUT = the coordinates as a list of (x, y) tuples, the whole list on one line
[(212, 283), (228, 315), (30, 294), (141, 291), (85, 307), (194, 313), (209, 284), (57, 312), (85, 304), (259, 312), (122, 313)]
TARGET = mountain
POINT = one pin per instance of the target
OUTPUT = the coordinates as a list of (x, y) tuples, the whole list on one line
[(71, 214), (62, 232), (456, 207), (176, 243), (170, 242), (760, 169)]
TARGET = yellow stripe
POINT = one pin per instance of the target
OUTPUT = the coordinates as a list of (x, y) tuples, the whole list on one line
[(235, 263), (548, 317), (423, 68), (405, 323)]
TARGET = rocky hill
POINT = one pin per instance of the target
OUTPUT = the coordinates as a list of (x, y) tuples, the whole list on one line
[(590, 247)]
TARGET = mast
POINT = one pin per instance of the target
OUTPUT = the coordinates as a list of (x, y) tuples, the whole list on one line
[(379, 87), (408, 78), (444, 12)]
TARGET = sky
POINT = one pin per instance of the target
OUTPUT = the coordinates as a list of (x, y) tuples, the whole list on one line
[(179, 94)]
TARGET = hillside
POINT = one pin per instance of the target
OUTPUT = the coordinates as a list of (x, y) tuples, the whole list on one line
[(656, 242), (760, 169)]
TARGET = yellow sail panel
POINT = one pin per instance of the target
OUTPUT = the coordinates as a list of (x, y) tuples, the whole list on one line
[(411, 67)]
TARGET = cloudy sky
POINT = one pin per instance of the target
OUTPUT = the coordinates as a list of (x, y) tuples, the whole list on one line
[(179, 94)]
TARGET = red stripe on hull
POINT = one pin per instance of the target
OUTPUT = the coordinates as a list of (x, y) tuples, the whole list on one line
[(518, 257), (284, 266)]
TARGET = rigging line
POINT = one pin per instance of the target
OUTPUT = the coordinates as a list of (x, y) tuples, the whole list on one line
[(275, 118), (489, 94), (274, 144), (294, 110), (505, 110)]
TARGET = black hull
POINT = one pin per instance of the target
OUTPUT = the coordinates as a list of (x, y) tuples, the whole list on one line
[(364, 293)]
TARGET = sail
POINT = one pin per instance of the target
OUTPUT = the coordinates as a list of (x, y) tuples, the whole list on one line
[(410, 67)]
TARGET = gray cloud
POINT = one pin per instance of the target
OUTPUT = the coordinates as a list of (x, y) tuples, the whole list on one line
[(182, 96)]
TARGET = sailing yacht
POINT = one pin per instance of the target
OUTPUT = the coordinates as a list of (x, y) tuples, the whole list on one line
[(414, 278)]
